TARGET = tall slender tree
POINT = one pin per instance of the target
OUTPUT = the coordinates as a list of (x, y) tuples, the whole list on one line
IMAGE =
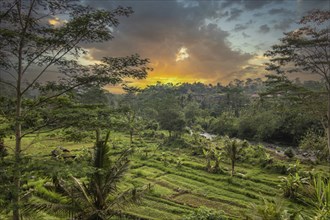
[(40, 37), (232, 148), (306, 49)]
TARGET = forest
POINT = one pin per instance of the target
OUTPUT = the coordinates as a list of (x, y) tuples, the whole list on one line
[(255, 148)]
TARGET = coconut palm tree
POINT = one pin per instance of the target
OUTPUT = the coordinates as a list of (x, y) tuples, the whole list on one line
[(232, 149), (97, 197)]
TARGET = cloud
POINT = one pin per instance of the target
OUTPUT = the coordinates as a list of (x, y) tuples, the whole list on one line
[(245, 35), (249, 4), (257, 4), (159, 29), (240, 27), (264, 29), (182, 54), (234, 14), (284, 24), (276, 11), (209, 30)]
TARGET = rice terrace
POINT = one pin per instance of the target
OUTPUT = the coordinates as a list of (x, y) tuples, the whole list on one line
[(174, 109)]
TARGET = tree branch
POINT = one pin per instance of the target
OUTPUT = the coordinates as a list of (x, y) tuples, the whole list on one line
[(7, 83)]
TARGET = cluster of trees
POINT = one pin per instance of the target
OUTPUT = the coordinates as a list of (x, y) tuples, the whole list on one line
[(268, 110)]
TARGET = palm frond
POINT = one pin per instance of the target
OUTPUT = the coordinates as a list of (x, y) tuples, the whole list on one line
[(127, 198), (82, 190), (116, 172)]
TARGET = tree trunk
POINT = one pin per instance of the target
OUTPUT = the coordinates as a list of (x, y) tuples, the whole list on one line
[(216, 166), (208, 165), (18, 143), (97, 136), (328, 123), (232, 167), (17, 173), (131, 137)]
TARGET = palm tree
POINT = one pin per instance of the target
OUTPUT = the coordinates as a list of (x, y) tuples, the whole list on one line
[(97, 197), (208, 155), (232, 149), (217, 155)]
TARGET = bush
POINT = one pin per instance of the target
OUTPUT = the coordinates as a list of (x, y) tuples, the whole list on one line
[(203, 213), (254, 154), (271, 210), (291, 184), (315, 142), (289, 152), (177, 142), (76, 135), (277, 167), (225, 124)]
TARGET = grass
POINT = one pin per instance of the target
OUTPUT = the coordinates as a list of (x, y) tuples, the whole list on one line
[(176, 191)]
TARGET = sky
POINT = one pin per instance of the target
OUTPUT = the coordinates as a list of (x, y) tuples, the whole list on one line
[(200, 41)]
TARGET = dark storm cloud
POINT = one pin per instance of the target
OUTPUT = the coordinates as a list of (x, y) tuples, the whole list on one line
[(276, 11), (284, 24), (249, 4), (240, 27), (158, 29), (257, 4), (264, 29), (245, 35), (307, 5), (234, 14)]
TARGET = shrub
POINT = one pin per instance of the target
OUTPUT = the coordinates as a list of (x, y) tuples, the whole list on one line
[(272, 210), (76, 135), (291, 184), (254, 154), (289, 152), (315, 142), (203, 213), (225, 124), (277, 167)]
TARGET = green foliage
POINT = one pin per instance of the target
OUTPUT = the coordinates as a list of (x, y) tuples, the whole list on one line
[(291, 184), (225, 124), (278, 167), (172, 120), (256, 155), (3, 150), (272, 210), (76, 135), (289, 152), (260, 125), (312, 141), (232, 149), (317, 195), (203, 213), (321, 197)]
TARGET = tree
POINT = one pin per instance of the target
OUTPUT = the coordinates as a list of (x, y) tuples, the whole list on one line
[(211, 152), (232, 149), (94, 197), (40, 37), (306, 49), (172, 120), (208, 155), (99, 197), (132, 121)]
